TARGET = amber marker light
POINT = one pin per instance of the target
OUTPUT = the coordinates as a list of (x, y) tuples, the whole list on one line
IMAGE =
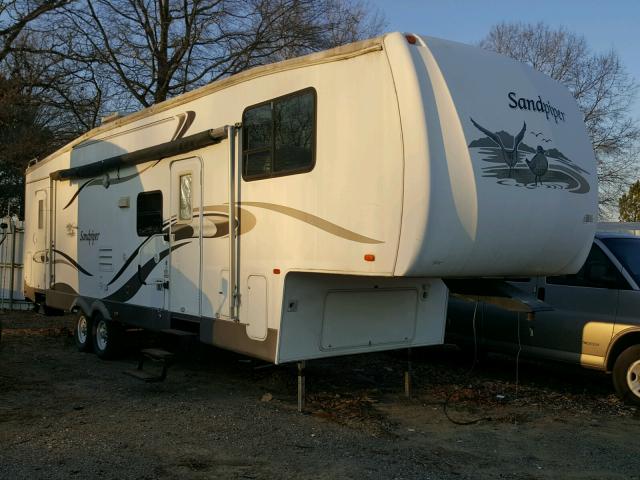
[(369, 257), (276, 271), (411, 39)]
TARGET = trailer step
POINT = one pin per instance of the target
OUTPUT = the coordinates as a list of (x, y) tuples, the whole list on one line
[(184, 324), (142, 375), (156, 354), (163, 357)]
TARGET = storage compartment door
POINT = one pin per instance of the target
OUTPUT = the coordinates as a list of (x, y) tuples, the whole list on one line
[(368, 318), (257, 307)]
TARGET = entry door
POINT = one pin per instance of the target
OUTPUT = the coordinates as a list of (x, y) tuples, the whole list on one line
[(40, 247), (186, 237)]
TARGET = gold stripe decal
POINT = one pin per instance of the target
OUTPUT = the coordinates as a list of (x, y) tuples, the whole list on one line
[(314, 221)]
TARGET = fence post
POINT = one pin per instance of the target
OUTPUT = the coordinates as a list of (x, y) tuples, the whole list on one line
[(12, 225), (3, 259)]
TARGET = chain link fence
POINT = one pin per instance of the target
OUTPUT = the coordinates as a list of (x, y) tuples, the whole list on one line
[(11, 268)]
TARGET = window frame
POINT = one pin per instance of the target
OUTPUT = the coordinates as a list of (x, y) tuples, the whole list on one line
[(138, 213), (271, 148)]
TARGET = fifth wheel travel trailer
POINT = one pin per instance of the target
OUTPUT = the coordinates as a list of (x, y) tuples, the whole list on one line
[(317, 206)]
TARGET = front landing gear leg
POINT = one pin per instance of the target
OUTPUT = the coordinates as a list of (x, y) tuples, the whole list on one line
[(301, 386), (407, 375)]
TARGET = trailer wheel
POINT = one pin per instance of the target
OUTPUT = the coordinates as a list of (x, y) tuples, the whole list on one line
[(106, 337), (626, 375), (82, 333)]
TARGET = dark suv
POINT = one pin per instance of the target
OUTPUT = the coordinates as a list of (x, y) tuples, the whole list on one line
[(595, 321)]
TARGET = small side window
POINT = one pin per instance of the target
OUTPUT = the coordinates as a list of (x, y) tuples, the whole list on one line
[(40, 214), (185, 212), (149, 213)]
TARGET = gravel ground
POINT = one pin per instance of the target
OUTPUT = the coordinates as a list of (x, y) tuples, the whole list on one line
[(65, 414)]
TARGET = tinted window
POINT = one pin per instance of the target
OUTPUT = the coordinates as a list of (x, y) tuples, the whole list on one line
[(627, 251), (149, 213), (597, 272), (279, 136)]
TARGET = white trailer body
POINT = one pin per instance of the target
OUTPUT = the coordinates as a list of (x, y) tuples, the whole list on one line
[(312, 207)]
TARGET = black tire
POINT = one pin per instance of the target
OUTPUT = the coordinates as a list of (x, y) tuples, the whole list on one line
[(106, 336), (83, 333), (626, 375)]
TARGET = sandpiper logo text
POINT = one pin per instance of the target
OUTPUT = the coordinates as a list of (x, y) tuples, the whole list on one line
[(535, 105), (89, 236)]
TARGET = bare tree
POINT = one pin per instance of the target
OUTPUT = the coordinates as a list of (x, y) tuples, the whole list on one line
[(16, 15), (151, 50), (30, 56), (601, 86), (23, 136)]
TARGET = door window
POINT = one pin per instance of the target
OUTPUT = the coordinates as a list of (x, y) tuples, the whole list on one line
[(185, 210), (40, 214)]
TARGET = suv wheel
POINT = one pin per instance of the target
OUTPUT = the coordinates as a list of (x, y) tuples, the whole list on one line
[(626, 375), (82, 333)]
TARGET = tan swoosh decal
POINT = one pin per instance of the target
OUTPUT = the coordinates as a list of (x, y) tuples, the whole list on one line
[(315, 221), (246, 218), (184, 122)]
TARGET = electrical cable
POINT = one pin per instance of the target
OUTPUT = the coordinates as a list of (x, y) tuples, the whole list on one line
[(518, 357), (468, 374), (475, 339)]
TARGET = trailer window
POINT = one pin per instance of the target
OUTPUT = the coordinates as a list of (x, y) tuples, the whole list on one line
[(40, 214), (279, 136), (149, 213), (185, 197)]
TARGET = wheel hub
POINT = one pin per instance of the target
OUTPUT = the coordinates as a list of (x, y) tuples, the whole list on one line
[(82, 329), (633, 378), (102, 335)]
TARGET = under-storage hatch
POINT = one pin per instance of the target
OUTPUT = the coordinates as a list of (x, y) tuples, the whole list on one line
[(257, 307), (363, 318)]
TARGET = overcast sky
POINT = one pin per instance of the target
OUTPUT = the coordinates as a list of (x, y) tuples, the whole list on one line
[(605, 24)]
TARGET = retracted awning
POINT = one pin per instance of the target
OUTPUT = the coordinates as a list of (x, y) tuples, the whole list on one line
[(157, 152)]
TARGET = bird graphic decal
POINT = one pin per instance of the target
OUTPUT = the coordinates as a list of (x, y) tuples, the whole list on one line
[(508, 155), (545, 161), (538, 164)]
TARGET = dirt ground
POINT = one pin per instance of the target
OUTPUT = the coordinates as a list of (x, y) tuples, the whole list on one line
[(65, 414)]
